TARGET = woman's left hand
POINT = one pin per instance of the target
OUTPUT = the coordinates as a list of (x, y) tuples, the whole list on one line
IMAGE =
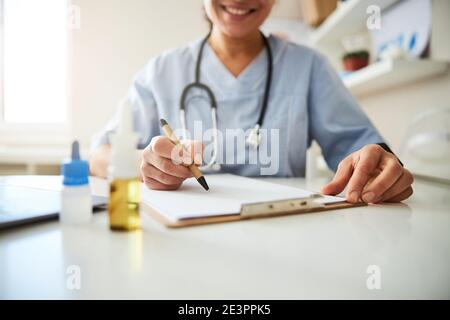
[(371, 175)]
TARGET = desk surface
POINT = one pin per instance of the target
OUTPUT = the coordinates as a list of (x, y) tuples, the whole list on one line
[(320, 255)]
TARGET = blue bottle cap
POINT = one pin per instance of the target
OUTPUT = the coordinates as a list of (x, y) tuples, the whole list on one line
[(75, 171)]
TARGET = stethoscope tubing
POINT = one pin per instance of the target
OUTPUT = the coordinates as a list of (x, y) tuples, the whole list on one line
[(197, 84)]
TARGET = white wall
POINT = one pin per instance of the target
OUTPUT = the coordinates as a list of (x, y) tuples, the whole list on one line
[(116, 39), (393, 110)]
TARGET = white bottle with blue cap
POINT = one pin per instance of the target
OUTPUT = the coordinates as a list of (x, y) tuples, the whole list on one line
[(76, 199)]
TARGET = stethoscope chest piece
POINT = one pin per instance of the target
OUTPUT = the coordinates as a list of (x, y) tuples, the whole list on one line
[(254, 138)]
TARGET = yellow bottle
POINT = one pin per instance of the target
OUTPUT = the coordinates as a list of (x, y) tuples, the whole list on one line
[(125, 195), (125, 187)]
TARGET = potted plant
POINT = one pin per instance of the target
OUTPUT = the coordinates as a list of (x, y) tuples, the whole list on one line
[(356, 60)]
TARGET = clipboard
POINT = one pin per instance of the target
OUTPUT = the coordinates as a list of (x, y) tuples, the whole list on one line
[(240, 217), (290, 204)]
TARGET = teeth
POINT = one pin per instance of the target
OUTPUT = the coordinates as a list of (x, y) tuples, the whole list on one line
[(239, 12)]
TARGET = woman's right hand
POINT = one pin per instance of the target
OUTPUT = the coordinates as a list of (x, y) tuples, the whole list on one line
[(165, 166)]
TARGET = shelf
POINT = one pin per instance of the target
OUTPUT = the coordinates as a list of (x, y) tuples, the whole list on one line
[(349, 18), (391, 73)]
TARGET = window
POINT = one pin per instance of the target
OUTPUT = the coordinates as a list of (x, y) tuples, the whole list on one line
[(33, 62)]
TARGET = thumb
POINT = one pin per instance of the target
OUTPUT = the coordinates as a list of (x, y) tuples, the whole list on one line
[(340, 180)]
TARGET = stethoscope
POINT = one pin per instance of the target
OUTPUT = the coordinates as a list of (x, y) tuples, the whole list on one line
[(254, 139)]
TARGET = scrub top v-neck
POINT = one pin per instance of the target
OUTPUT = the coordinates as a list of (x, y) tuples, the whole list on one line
[(307, 101)]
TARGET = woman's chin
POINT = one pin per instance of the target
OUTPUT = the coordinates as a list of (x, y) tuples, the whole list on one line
[(238, 32)]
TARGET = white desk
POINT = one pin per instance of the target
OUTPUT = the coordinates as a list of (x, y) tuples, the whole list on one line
[(321, 255)]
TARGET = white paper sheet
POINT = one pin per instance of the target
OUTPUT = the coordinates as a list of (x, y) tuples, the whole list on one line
[(226, 196)]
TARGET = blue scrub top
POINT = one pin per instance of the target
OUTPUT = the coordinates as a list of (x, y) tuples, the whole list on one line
[(308, 101)]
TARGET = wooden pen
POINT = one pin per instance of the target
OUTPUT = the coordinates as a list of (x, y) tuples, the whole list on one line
[(193, 168)]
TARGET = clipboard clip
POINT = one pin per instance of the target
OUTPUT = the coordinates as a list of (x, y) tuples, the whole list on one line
[(281, 207)]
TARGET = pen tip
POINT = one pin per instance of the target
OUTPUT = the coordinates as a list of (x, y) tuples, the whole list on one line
[(202, 181), (163, 122)]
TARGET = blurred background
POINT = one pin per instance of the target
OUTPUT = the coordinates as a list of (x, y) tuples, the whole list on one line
[(64, 65)]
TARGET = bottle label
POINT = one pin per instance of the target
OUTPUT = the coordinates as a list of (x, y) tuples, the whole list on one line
[(123, 208)]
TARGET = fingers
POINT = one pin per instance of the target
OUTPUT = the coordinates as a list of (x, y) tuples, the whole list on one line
[(187, 153), (401, 196), (192, 152), (162, 146), (372, 175), (341, 178), (156, 185), (150, 171), (168, 166), (401, 190), (369, 158), (389, 175), (164, 165)]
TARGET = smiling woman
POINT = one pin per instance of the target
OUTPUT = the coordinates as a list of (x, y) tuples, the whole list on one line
[(246, 80), (238, 18), (235, 35)]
